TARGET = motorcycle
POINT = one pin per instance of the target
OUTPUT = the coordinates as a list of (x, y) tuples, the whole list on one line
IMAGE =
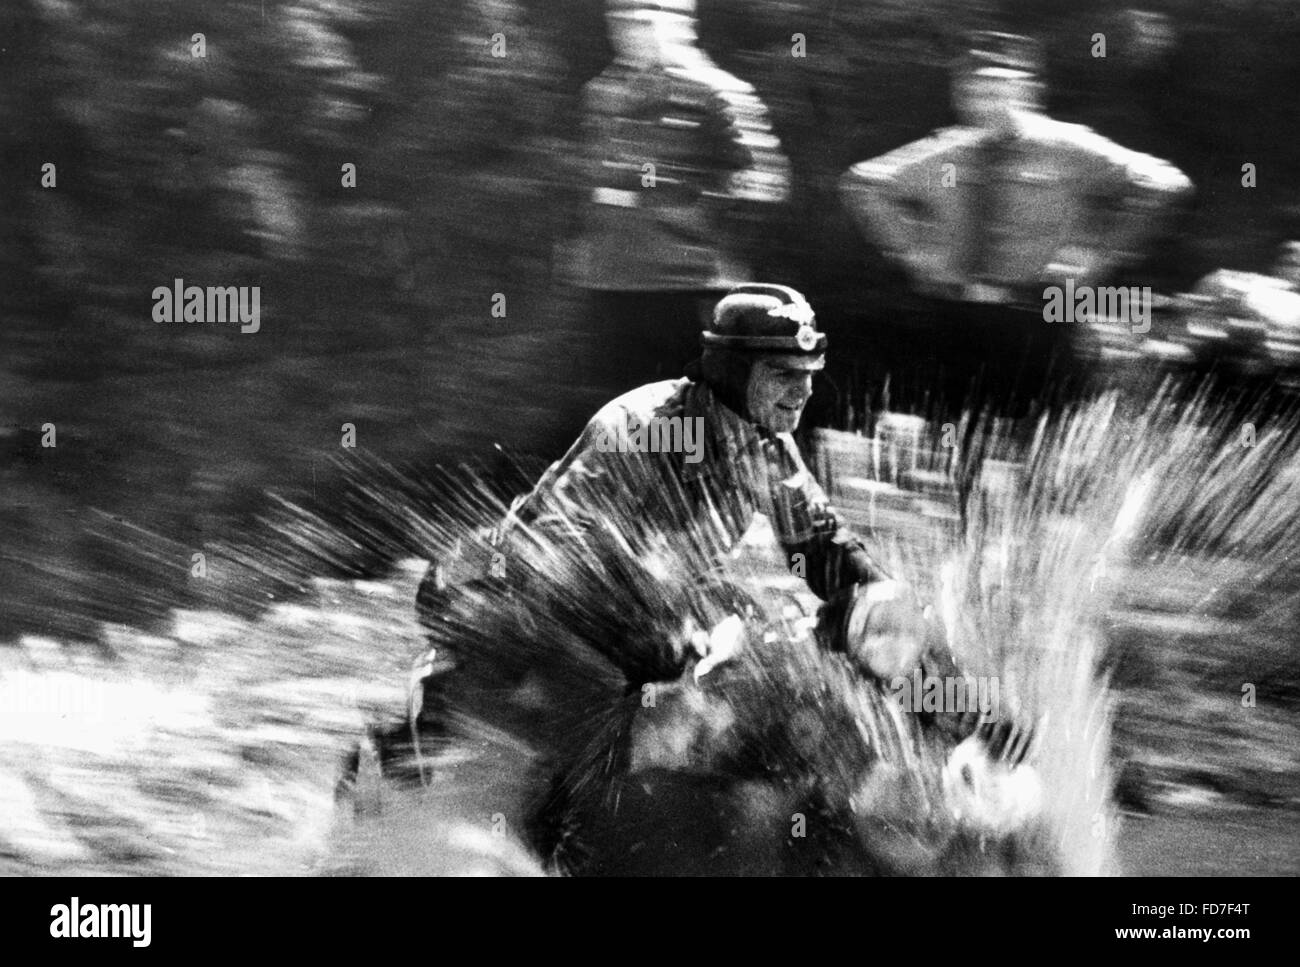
[(791, 757)]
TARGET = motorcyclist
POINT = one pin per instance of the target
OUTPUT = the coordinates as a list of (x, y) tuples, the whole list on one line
[(634, 508), (623, 543)]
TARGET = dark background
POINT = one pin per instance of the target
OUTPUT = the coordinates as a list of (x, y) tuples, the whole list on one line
[(376, 300)]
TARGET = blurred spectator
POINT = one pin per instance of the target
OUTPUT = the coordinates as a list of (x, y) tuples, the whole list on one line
[(1027, 199), (678, 155), (984, 214)]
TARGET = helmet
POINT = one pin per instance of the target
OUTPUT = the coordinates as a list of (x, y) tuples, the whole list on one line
[(765, 318), (751, 321)]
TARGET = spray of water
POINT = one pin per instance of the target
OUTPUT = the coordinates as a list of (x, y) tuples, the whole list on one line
[(215, 745)]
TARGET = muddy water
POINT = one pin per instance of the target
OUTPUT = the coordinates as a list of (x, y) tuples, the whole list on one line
[(212, 742)]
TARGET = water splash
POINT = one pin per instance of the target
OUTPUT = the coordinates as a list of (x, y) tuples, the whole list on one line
[(214, 744)]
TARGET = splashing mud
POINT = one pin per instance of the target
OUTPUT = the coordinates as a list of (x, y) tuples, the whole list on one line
[(1110, 545)]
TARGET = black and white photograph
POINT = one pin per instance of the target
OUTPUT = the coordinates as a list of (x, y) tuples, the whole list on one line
[(650, 438)]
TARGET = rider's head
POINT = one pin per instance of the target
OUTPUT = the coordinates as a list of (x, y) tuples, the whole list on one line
[(997, 82), (760, 354), (651, 33)]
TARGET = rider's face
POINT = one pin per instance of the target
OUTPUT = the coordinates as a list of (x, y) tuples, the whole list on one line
[(779, 388)]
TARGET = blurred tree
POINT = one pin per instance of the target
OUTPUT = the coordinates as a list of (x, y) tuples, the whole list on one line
[(227, 169)]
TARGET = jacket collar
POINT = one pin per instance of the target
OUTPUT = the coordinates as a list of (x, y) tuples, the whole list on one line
[(729, 438)]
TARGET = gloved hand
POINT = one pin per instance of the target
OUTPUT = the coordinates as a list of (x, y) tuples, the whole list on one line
[(885, 632)]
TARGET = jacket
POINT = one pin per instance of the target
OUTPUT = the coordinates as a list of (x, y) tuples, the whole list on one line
[(975, 217), (640, 504), (672, 159)]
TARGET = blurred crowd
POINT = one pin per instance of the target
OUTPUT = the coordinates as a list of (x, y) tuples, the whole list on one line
[(985, 223), (389, 173)]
